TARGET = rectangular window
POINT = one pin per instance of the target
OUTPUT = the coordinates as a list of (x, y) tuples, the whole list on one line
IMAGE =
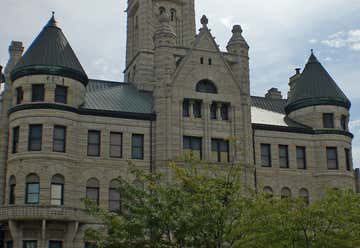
[(265, 155), (328, 120), (115, 145), (224, 112), (114, 199), (344, 122), (283, 156), (89, 245), (213, 111), (35, 137), (348, 159), (332, 158), (57, 194), (193, 145), (186, 108), (94, 143), (29, 244), (38, 93), (197, 109), (19, 95), (301, 157), (137, 146), (61, 94), (59, 139), (15, 142), (12, 194), (220, 150), (32, 193), (55, 244)]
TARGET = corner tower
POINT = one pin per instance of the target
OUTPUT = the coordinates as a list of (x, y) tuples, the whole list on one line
[(142, 20)]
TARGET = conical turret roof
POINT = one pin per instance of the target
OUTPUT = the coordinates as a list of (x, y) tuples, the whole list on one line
[(50, 53), (316, 87)]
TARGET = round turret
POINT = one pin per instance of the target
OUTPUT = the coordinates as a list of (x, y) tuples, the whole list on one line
[(237, 44)]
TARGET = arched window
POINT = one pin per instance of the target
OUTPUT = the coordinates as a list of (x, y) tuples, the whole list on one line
[(32, 189), (206, 86), (172, 15), (114, 196), (285, 193), (57, 190), (268, 191), (162, 10), (12, 185), (304, 194), (92, 190)]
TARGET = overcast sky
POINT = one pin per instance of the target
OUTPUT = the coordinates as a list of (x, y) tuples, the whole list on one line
[(280, 34)]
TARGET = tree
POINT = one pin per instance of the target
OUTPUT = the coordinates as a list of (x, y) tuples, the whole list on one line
[(206, 206)]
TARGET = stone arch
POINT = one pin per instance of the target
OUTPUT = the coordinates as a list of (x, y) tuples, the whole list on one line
[(285, 193), (206, 86)]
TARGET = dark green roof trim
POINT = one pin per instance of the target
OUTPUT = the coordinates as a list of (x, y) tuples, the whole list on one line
[(307, 102), (81, 111), (49, 70), (299, 130)]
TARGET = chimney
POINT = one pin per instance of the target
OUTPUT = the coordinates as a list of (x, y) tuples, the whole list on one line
[(293, 80), (15, 52), (273, 93)]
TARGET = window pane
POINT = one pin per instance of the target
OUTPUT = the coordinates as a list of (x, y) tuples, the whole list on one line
[(15, 145), (30, 244), (59, 139), (224, 112), (265, 155), (55, 244), (348, 159), (38, 93), (137, 146), (300, 157), (32, 193), (19, 95), (92, 194), (94, 143), (283, 156), (213, 111), (35, 137), (186, 142), (328, 120), (197, 109), (332, 160), (116, 145), (61, 94), (186, 112), (57, 194), (344, 122), (114, 199)]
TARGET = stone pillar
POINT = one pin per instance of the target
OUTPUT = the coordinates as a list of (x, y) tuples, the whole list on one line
[(191, 108), (218, 111)]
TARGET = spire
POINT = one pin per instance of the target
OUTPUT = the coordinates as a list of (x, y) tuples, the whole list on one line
[(237, 40)]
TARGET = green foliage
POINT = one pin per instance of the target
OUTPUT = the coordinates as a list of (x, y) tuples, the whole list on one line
[(206, 206)]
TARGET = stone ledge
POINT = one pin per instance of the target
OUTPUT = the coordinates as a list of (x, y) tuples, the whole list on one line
[(45, 213)]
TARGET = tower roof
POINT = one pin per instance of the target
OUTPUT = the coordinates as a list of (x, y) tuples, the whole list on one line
[(50, 53), (316, 87)]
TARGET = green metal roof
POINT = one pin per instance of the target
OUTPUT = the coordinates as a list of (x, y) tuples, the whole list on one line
[(117, 97), (50, 53), (316, 87)]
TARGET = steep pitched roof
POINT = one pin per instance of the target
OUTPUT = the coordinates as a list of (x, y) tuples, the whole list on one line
[(50, 53), (316, 87)]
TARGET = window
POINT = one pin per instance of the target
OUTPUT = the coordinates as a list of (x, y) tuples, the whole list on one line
[(162, 10), (94, 143), (55, 244), (283, 156), (220, 150), (92, 190), (114, 196), (89, 245), (268, 191), (213, 111), (197, 109), (224, 112), (59, 139), (301, 157), (348, 159), (29, 244), (285, 193), (332, 158), (328, 120), (202, 60), (38, 92), (193, 145), (344, 122), (265, 155), (206, 86), (186, 108), (32, 189), (15, 141), (57, 190), (172, 15), (210, 61), (19, 95), (304, 194), (137, 151), (9, 244), (12, 185), (61, 94), (115, 145), (35, 137)]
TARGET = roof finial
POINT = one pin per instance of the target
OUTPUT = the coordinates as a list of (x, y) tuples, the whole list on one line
[(53, 13), (312, 51), (204, 20)]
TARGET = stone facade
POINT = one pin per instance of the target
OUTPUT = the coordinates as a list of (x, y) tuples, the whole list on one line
[(196, 92)]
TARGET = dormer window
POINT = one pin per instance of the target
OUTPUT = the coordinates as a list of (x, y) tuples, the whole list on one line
[(206, 86), (328, 120)]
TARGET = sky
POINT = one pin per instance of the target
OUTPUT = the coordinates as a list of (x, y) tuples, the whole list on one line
[(280, 34)]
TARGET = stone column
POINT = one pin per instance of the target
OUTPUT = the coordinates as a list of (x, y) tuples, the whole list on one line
[(191, 108), (218, 111)]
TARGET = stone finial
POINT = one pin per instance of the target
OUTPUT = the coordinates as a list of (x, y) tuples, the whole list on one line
[(237, 29), (274, 93), (237, 40), (204, 21), (164, 17), (52, 22)]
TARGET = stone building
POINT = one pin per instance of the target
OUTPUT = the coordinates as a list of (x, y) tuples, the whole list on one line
[(65, 137)]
